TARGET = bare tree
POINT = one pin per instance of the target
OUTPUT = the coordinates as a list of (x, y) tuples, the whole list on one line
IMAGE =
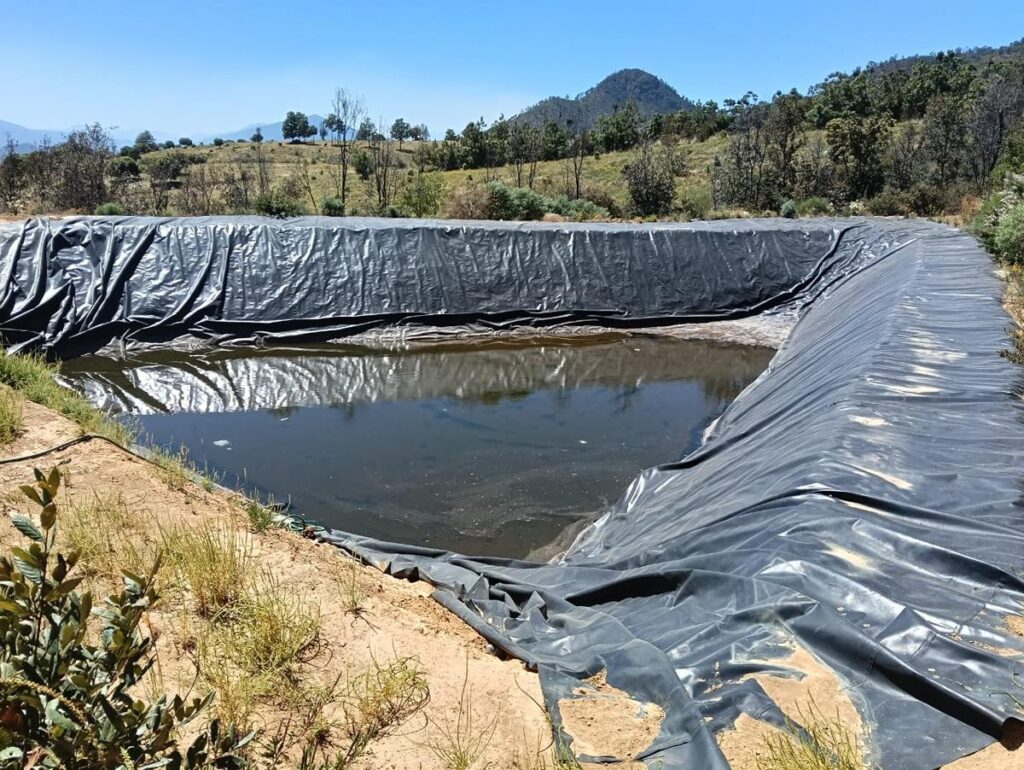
[(384, 179), (347, 113), (12, 177), (580, 145), (306, 181)]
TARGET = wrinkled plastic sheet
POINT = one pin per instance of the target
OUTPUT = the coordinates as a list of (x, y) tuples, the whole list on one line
[(861, 500)]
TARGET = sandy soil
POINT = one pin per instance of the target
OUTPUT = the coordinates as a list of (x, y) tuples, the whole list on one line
[(399, 618)]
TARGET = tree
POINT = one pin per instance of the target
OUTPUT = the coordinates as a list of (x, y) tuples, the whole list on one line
[(12, 177), (857, 146), (422, 195), (650, 181), (185, 142), (383, 179), (296, 126), (367, 128), (145, 142), (945, 134), (218, 142), (620, 130), (580, 145), (257, 137), (399, 131), (347, 112), (168, 145)]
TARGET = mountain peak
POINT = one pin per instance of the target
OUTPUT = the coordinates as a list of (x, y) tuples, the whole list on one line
[(651, 94)]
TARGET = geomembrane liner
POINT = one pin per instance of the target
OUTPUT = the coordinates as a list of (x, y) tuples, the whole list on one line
[(860, 502)]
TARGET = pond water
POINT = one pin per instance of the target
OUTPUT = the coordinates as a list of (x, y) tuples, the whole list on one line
[(485, 449)]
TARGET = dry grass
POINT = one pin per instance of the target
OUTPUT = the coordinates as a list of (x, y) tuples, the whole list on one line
[(212, 567), (461, 744), (10, 415), (110, 537), (818, 743), (379, 700)]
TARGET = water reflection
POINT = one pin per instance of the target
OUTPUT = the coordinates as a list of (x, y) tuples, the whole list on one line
[(489, 449)]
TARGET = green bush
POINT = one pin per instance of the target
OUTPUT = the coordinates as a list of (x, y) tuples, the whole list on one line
[(277, 205), (1008, 238), (67, 701), (109, 210), (218, 142), (696, 202), (814, 206), (650, 181), (332, 207), (888, 203), (788, 210), (521, 204), (578, 209)]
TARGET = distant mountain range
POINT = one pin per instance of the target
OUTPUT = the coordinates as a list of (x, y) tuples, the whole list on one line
[(271, 131), (652, 95)]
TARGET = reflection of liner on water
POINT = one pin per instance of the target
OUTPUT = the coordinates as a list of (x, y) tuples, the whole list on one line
[(244, 380)]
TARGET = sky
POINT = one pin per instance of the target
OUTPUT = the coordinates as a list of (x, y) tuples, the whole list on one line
[(182, 67)]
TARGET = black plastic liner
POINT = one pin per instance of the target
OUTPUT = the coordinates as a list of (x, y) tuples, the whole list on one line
[(862, 500)]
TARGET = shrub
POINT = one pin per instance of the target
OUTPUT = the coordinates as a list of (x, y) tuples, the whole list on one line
[(332, 207), (185, 142), (218, 142), (888, 203), (788, 210), (696, 202), (1008, 238), (422, 195), (514, 203), (277, 205), (579, 209), (649, 180), (109, 210), (75, 699), (814, 206), (467, 201)]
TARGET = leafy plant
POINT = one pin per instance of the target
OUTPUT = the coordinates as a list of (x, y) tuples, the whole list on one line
[(67, 702)]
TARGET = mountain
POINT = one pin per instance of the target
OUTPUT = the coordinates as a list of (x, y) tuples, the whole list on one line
[(271, 131), (651, 94), (25, 139)]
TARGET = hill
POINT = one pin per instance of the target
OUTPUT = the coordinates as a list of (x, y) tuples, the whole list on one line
[(651, 94), (979, 57)]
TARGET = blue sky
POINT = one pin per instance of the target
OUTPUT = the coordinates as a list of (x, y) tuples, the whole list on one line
[(183, 67)]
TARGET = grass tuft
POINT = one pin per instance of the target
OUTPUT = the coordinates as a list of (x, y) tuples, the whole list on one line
[(212, 565), (379, 700), (818, 743), (462, 743), (109, 538), (11, 404)]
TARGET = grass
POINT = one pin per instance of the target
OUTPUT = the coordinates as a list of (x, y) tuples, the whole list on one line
[(379, 700), (35, 379), (108, 535), (461, 743), (273, 628), (601, 173), (11, 404), (214, 566), (822, 743)]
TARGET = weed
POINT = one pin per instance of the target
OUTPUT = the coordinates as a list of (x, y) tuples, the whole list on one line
[(459, 745), (353, 598), (175, 468), (261, 517), (273, 628), (108, 536), (213, 566), (379, 700), (822, 743), (10, 415)]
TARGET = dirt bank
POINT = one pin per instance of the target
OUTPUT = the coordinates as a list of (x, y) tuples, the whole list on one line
[(393, 620)]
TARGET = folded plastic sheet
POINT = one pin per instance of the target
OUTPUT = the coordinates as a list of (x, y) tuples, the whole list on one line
[(72, 286), (861, 501)]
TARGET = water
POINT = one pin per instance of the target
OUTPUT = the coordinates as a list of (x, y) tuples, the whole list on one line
[(488, 450)]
